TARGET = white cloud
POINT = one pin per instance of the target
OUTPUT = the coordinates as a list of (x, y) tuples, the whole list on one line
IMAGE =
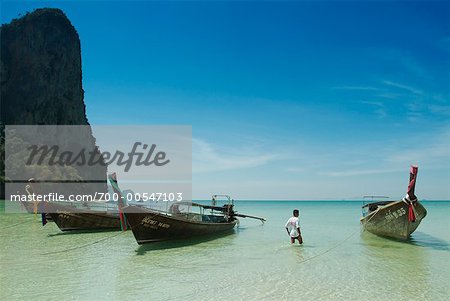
[(436, 154), (390, 95), (295, 169), (362, 88), (380, 110), (403, 87), (440, 109), (348, 173), (430, 152), (207, 158), (374, 103)]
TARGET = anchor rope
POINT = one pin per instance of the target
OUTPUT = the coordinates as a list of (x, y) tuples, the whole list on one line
[(307, 259), (330, 249), (82, 246)]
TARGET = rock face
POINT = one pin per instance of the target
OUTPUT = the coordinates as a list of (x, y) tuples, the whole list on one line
[(40, 74), (41, 70)]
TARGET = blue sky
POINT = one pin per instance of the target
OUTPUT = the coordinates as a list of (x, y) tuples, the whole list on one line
[(292, 100)]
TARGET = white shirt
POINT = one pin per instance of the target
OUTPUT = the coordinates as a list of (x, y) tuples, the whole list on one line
[(292, 225)]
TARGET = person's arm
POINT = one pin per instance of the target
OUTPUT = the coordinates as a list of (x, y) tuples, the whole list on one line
[(300, 238), (287, 229)]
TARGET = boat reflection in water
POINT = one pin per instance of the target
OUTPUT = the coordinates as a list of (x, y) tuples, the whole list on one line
[(402, 269)]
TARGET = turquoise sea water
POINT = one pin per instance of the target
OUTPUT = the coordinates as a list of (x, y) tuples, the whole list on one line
[(255, 262)]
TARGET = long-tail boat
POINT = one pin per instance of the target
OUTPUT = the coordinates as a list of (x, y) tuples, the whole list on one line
[(33, 207), (70, 217), (150, 225), (395, 219)]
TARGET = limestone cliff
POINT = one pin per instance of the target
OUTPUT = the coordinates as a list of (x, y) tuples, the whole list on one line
[(40, 72)]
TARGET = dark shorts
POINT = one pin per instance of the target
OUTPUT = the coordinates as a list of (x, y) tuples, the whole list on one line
[(300, 239)]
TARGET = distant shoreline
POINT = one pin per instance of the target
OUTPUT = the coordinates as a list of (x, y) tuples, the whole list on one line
[(305, 200), (316, 200)]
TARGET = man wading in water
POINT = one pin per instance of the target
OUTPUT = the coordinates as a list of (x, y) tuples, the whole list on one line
[(293, 228)]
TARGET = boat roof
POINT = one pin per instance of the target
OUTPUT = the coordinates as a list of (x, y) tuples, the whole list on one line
[(218, 208), (378, 203)]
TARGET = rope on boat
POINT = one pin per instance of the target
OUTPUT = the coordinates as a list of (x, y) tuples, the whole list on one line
[(370, 218), (83, 246), (330, 249)]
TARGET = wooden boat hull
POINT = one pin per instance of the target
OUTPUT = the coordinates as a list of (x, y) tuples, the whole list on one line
[(391, 220), (74, 219), (30, 208), (150, 226)]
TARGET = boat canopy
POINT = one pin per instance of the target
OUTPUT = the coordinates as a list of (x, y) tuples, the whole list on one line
[(380, 203)]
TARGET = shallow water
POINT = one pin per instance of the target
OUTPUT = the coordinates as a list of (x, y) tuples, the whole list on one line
[(254, 262)]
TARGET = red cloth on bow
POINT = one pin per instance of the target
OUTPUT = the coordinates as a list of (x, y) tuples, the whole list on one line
[(411, 215)]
